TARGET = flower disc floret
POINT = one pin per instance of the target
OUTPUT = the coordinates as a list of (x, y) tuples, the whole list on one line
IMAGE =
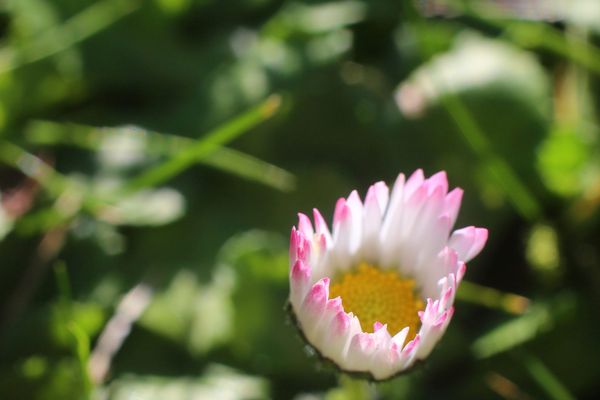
[(375, 295)]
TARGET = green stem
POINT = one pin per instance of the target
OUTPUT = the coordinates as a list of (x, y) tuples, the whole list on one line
[(163, 145), (498, 169), (351, 388), (547, 380), (530, 34), (492, 298), (210, 143), (48, 178), (60, 38)]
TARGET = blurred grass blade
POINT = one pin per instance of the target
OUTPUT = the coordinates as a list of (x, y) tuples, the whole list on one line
[(546, 379), (496, 167), (546, 37), (513, 332), (62, 282), (158, 144), (52, 181), (78, 28), (519, 195), (504, 387), (492, 298), (252, 168), (529, 34), (33, 167), (524, 328), (116, 330), (206, 145), (82, 349), (40, 221), (81, 339)]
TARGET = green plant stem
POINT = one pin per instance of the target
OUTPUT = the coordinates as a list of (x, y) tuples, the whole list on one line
[(159, 144), (492, 298), (547, 380), (497, 168), (48, 178), (350, 388), (210, 143), (541, 35), (62, 37)]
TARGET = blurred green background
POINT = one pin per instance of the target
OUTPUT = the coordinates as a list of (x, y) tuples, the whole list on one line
[(153, 155)]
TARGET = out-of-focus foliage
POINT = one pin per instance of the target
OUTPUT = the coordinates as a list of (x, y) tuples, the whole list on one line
[(216, 382), (153, 155)]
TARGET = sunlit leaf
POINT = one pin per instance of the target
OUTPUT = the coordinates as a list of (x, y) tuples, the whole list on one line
[(542, 248), (561, 161), (149, 207), (6, 222), (473, 63), (198, 316), (217, 382)]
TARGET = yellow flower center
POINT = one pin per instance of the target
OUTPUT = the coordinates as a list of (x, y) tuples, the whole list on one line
[(375, 295)]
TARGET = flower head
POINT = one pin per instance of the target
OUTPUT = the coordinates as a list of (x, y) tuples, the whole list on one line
[(375, 294)]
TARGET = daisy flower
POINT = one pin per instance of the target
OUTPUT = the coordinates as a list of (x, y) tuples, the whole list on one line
[(375, 294)]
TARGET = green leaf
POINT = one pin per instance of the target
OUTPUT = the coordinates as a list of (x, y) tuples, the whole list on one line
[(561, 160), (217, 382)]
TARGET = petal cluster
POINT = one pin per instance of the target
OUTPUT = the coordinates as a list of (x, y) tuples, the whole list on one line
[(409, 231)]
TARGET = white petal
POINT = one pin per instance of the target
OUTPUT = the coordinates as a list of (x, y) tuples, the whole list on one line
[(321, 227), (305, 226), (375, 204), (300, 275), (362, 347), (468, 242)]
